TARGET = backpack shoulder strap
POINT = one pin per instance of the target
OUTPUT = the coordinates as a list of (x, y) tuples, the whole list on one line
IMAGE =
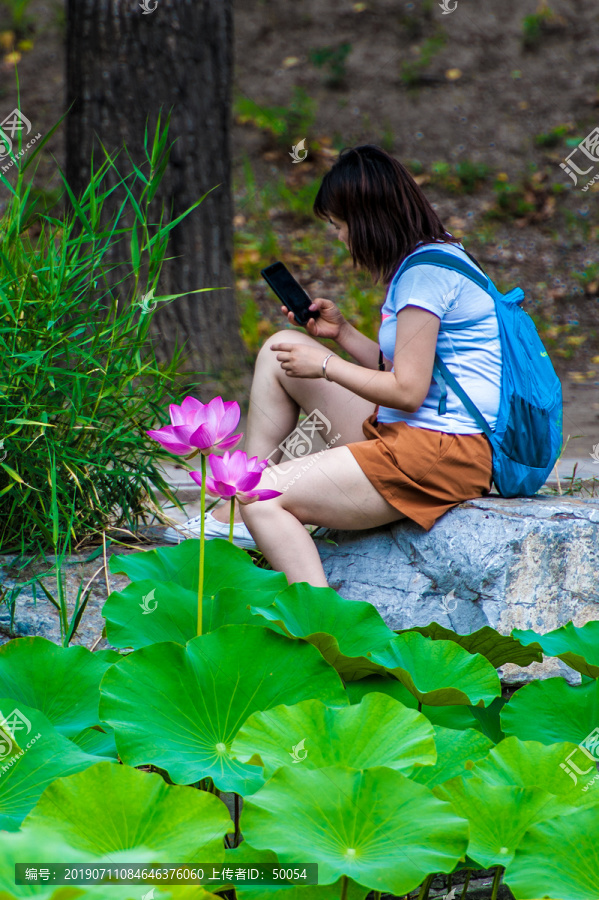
[(454, 384), (447, 261)]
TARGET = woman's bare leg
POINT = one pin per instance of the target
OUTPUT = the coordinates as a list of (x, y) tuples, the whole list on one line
[(328, 488)]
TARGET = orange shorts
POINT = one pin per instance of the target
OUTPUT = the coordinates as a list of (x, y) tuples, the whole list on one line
[(423, 473)]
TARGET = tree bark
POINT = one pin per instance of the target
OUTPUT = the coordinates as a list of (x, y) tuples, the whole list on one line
[(123, 66)]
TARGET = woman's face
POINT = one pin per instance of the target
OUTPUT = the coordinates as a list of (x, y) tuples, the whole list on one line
[(341, 229)]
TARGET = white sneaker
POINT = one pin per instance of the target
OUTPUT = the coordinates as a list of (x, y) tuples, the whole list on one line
[(212, 529)]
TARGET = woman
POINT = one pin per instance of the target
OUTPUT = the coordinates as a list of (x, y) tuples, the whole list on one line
[(394, 456)]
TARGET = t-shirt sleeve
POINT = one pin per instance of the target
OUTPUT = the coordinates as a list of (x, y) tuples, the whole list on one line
[(429, 287)]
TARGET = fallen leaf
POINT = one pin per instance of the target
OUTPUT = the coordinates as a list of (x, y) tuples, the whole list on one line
[(453, 74), (7, 39)]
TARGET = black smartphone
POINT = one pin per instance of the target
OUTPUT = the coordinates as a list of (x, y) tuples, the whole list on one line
[(289, 292)]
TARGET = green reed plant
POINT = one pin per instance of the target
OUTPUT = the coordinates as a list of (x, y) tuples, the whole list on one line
[(80, 383)]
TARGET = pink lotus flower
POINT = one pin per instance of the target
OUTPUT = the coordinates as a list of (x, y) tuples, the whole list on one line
[(234, 475), (199, 426)]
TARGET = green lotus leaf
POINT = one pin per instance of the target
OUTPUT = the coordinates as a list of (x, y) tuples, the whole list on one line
[(498, 815), (225, 566), (553, 711), (456, 754), (173, 612), (179, 708), (458, 717), (533, 764), (97, 740), (488, 719), (41, 848), (558, 859), (377, 732), (245, 855), (345, 631), (183, 892), (32, 755), (376, 826), (439, 673), (499, 649), (115, 812), (170, 892), (62, 682), (577, 647), (51, 893)]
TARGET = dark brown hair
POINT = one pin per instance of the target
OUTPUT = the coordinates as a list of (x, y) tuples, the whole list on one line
[(386, 212)]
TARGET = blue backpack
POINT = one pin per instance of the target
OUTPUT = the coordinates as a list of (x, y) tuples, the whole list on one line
[(527, 439)]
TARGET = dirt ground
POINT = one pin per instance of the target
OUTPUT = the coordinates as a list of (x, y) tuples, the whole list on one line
[(479, 95)]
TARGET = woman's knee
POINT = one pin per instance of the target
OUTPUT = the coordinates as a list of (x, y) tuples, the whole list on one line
[(286, 337), (258, 509)]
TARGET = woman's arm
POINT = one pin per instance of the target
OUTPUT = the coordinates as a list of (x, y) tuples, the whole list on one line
[(363, 350), (406, 387)]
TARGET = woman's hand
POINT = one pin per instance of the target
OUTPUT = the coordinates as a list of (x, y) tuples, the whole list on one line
[(328, 324), (299, 360)]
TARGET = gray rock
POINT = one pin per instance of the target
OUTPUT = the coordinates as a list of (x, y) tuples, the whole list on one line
[(522, 563), (25, 610)]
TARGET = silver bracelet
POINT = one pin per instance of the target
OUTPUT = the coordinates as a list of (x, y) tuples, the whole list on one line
[(324, 366)]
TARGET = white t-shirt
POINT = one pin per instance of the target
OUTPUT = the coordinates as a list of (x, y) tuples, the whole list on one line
[(472, 353)]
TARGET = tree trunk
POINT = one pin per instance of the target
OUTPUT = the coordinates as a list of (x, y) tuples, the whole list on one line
[(123, 66)]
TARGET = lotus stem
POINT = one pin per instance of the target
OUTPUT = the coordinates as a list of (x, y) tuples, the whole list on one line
[(232, 519), (237, 832), (466, 883), (426, 885), (496, 880), (344, 886), (202, 541)]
